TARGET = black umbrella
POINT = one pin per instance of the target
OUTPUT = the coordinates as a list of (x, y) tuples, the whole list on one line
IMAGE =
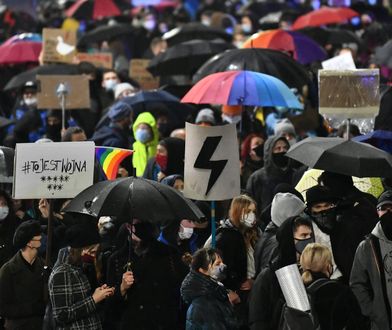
[(136, 198), (340, 36), (6, 164), (342, 156), (271, 62), (105, 33), (192, 31), (49, 69), (186, 57)]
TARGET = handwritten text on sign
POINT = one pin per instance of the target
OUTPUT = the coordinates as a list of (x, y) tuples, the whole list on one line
[(53, 170)]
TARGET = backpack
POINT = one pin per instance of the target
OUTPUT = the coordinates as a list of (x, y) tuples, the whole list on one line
[(294, 319)]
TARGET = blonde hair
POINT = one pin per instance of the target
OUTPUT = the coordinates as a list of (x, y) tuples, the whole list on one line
[(314, 258), (237, 207)]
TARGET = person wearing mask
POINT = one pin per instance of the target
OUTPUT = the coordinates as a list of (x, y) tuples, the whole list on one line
[(333, 302), (251, 156), (146, 136), (74, 303), (266, 298), (110, 80), (285, 128), (371, 276), (210, 306), (117, 134), (205, 117), (284, 206), (53, 125), (123, 90), (168, 160), (277, 169), (22, 287)]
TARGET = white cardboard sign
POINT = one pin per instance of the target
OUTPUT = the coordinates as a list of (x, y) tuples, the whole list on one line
[(53, 169), (212, 165), (340, 62)]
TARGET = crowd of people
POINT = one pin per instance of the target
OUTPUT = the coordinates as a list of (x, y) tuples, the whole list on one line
[(123, 273)]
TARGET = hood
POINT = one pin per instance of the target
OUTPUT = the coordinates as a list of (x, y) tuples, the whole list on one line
[(269, 164), (284, 206), (286, 248), (147, 118), (175, 155), (379, 233), (197, 285)]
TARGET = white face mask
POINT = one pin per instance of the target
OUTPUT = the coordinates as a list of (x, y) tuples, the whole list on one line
[(249, 220), (110, 84), (292, 141), (185, 233), (231, 119), (31, 101), (4, 210)]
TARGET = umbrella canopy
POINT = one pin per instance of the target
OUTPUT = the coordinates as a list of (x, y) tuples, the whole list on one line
[(20, 52), (6, 164), (93, 9), (271, 62), (323, 16), (138, 198), (324, 36), (186, 57), (301, 47), (368, 185), (242, 88), (342, 156), (192, 31), (49, 69), (379, 139), (105, 33)]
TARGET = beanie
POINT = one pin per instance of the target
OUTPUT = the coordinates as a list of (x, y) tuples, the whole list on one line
[(318, 194), (123, 87), (82, 235), (205, 115), (284, 126), (25, 232)]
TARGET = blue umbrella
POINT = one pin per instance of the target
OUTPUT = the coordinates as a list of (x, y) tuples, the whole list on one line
[(379, 139)]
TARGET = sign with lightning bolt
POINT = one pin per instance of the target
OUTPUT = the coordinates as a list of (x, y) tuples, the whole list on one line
[(212, 166)]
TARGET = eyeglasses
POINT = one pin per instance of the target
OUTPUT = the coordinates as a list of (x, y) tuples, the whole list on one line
[(385, 207)]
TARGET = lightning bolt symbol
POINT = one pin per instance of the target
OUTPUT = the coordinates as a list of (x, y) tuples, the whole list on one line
[(204, 161)]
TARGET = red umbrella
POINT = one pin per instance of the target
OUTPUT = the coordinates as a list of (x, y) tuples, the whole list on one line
[(20, 52), (323, 16), (89, 9)]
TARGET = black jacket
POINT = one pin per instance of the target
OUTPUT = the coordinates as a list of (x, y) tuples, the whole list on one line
[(209, 308), (7, 230), (22, 293), (112, 136), (265, 249), (262, 183)]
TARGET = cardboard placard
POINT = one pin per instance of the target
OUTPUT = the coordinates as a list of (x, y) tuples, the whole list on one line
[(212, 163), (53, 169), (99, 60), (59, 46), (138, 71), (78, 96), (341, 62), (349, 93)]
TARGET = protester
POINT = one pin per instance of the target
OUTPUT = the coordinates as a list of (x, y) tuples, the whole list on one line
[(370, 276), (176, 181), (124, 90), (210, 306), (22, 286), (74, 134), (205, 117), (110, 80), (251, 156), (266, 298), (335, 306)]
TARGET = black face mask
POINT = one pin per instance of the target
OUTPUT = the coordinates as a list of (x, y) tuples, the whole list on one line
[(53, 132), (259, 150), (280, 159), (326, 220), (386, 225), (302, 243)]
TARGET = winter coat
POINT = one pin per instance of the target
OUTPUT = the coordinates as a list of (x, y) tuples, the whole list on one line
[(209, 308), (265, 249), (231, 244), (367, 280), (112, 136), (7, 230), (22, 293), (336, 307), (71, 299), (262, 183), (143, 152)]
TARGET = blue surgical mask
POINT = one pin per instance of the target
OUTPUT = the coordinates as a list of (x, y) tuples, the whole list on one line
[(246, 28), (143, 135), (110, 84)]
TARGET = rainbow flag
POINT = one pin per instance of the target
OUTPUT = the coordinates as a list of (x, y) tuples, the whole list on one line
[(110, 159)]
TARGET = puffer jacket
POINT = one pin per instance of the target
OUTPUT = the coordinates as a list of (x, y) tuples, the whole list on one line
[(209, 308)]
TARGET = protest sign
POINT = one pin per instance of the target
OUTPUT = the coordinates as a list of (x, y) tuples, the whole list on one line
[(212, 165), (341, 62), (59, 46), (99, 60), (77, 95), (349, 93), (52, 170), (138, 72)]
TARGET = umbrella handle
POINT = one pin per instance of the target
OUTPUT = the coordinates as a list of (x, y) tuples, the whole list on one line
[(348, 129)]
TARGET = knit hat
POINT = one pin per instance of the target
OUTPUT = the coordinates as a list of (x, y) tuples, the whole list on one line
[(284, 126), (318, 194), (385, 198), (82, 235), (205, 115), (119, 110), (284, 206), (25, 232), (123, 87)]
